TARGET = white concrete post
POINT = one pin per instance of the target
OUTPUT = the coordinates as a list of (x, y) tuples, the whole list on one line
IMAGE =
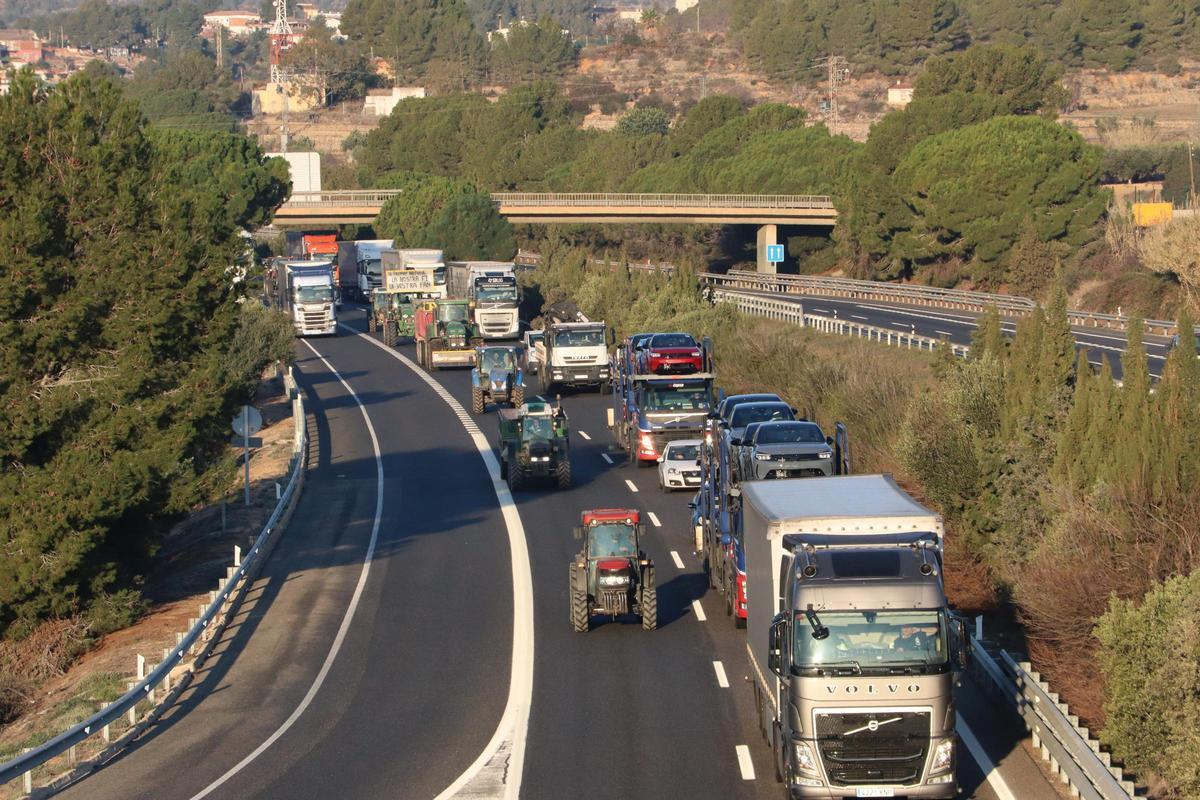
[(767, 235)]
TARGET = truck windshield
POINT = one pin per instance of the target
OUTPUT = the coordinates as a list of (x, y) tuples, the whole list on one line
[(683, 398), (453, 313), (439, 276), (579, 338), (371, 267), (314, 294), (610, 540), (496, 294), (872, 639), (789, 433)]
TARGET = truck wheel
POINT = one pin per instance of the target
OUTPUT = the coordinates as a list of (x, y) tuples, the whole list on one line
[(562, 473), (420, 352), (518, 397), (605, 387), (516, 476), (370, 323), (503, 469), (630, 442), (649, 607), (389, 333), (729, 598), (708, 570), (476, 400), (581, 616)]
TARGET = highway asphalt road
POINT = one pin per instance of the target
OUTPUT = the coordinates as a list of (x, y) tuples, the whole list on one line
[(957, 326), (422, 667)]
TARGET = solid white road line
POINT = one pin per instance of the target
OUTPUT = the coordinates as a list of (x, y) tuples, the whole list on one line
[(347, 618), (822, 310), (905, 325), (722, 678), (606, 457), (698, 610), (654, 519), (745, 764), (632, 486), (993, 776), (502, 761), (584, 436), (678, 561), (943, 333), (856, 316)]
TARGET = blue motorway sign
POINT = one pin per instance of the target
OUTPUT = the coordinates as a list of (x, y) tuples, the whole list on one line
[(774, 253)]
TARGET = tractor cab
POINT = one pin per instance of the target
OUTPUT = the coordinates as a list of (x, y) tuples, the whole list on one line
[(611, 575)]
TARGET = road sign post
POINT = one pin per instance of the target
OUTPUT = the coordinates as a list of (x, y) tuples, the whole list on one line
[(247, 422), (775, 253)]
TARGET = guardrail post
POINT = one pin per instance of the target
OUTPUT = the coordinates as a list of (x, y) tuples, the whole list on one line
[(27, 777), (237, 554), (106, 734), (141, 667)]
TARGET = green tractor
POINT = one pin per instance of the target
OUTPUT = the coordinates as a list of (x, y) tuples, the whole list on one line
[(611, 575), (497, 377), (445, 334), (392, 313), (533, 444)]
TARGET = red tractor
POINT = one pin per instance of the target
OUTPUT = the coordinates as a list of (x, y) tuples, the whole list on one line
[(611, 575)]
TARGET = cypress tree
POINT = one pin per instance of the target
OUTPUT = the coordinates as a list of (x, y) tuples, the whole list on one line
[(1056, 360), (1098, 457), (988, 337), (1136, 422), (1072, 441), (1022, 373)]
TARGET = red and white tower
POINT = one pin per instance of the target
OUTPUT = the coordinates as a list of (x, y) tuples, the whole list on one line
[(281, 40)]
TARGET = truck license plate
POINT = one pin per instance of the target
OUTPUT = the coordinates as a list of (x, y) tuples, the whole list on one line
[(582, 377), (875, 791)]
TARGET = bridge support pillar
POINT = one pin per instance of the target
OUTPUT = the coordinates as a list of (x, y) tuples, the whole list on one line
[(767, 234)]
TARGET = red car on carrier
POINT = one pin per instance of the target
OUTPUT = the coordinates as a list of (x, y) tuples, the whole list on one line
[(670, 354)]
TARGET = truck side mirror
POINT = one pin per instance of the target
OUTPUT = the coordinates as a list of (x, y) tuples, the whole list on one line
[(612, 337), (776, 637), (736, 442), (962, 642), (692, 505), (577, 532)]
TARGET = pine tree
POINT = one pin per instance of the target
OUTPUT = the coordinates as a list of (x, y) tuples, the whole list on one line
[(988, 336)]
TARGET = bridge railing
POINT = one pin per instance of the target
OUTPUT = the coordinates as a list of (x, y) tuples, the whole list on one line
[(376, 197), (639, 200), (62, 760), (911, 294)]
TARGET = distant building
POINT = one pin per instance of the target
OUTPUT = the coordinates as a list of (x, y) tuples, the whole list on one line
[(238, 23), (629, 14), (381, 102), (306, 10), (21, 45), (333, 21), (683, 5), (269, 99), (899, 95)]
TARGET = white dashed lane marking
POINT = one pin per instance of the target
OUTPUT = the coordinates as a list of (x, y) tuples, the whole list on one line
[(585, 436), (722, 679), (744, 762), (678, 561), (654, 519), (698, 610), (632, 486), (606, 457)]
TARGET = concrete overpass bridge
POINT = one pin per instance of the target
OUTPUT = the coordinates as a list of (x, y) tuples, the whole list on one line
[(765, 211)]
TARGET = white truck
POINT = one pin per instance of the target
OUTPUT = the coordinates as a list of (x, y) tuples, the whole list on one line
[(852, 645), (311, 296), (368, 266), (575, 354), (492, 287), (417, 271)]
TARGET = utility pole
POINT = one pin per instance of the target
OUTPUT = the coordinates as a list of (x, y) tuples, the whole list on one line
[(1192, 175), (221, 47)]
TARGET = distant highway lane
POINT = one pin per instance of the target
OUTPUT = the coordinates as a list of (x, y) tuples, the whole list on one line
[(421, 678), (957, 326)]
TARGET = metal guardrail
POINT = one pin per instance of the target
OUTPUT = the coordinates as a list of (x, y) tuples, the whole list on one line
[(349, 197), (649, 200), (911, 294), (1066, 746), (161, 684), (791, 311)]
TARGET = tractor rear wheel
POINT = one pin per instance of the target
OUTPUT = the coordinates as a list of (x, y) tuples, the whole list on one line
[(518, 396), (421, 352), (581, 616), (516, 476), (562, 473), (649, 605), (370, 323), (503, 468), (476, 400), (389, 333)]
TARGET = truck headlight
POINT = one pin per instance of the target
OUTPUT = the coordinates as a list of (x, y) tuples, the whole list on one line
[(826, 454), (804, 760), (762, 456), (943, 756), (672, 471)]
